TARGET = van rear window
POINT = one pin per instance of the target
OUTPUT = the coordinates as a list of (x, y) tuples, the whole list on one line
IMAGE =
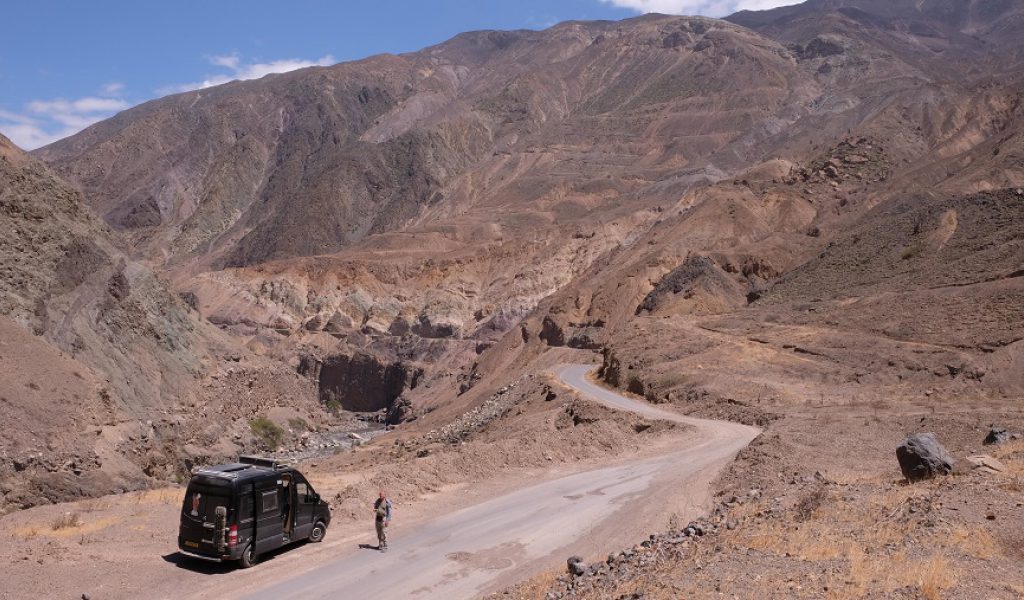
[(201, 502)]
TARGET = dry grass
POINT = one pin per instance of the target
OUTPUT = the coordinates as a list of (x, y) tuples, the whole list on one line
[(885, 573), (809, 503), (67, 520), (536, 587), (25, 533), (165, 496), (96, 504), (933, 576), (864, 544), (65, 525), (1004, 450), (856, 478), (974, 542), (85, 528)]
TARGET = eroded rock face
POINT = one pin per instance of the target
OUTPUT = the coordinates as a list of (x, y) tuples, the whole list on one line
[(437, 326), (360, 382), (551, 332), (921, 457)]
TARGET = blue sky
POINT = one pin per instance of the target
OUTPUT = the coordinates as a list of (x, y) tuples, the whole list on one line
[(65, 65)]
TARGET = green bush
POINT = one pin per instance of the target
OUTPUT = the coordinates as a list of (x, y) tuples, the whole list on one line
[(267, 432), (298, 424)]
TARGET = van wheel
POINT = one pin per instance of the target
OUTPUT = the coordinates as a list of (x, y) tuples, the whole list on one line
[(248, 557), (318, 533)]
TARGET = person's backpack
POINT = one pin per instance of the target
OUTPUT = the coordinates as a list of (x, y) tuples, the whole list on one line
[(382, 509)]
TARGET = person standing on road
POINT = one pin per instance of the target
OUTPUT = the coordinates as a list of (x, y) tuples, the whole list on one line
[(382, 516)]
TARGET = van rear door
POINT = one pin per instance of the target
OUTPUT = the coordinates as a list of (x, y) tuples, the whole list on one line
[(198, 532)]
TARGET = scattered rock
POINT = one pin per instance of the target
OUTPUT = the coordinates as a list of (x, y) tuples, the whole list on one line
[(576, 566), (998, 435), (921, 456), (191, 300), (400, 411), (986, 463)]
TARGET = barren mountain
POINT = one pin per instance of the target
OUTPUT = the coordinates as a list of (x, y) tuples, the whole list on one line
[(813, 207)]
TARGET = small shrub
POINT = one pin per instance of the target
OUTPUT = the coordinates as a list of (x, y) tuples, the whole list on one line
[(910, 252), (66, 521), (809, 503), (334, 406), (298, 424), (267, 432)]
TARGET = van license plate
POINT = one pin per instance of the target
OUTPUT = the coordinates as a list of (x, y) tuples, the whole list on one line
[(192, 544)]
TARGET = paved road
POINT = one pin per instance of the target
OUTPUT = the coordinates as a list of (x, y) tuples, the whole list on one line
[(478, 549)]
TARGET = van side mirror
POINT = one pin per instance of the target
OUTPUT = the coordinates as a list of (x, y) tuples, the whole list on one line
[(314, 498)]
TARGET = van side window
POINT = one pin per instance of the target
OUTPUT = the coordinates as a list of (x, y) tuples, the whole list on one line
[(302, 491), (245, 505), (268, 501)]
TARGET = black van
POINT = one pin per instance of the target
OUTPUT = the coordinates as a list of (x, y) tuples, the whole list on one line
[(240, 510)]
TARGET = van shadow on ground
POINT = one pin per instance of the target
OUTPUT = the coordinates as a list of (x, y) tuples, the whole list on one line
[(204, 567)]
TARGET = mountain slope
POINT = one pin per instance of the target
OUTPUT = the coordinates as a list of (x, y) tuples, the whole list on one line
[(505, 140), (102, 361), (379, 144)]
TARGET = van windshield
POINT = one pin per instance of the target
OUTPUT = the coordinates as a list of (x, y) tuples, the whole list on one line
[(201, 500)]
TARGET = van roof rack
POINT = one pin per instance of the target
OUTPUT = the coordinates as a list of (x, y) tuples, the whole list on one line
[(260, 461)]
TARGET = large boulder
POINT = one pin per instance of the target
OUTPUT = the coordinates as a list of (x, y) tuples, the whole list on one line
[(921, 456)]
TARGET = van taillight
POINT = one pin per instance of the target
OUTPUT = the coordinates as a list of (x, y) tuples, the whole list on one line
[(233, 536)]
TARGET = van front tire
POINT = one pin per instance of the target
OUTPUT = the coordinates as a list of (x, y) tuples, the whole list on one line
[(248, 557), (318, 532)]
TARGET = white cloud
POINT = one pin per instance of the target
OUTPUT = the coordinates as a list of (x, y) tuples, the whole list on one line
[(28, 133), (47, 121), (711, 8), (230, 61), (240, 70), (114, 88)]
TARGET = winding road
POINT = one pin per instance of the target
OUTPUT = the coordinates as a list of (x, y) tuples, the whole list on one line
[(495, 543)]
